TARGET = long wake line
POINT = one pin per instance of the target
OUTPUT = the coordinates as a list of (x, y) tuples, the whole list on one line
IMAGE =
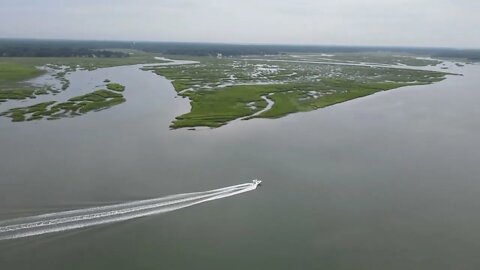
[(81, 218)]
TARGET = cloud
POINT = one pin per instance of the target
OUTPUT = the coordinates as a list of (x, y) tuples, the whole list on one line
[(367, 22)]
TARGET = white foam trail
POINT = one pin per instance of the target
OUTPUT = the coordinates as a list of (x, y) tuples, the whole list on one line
[(74, 219)]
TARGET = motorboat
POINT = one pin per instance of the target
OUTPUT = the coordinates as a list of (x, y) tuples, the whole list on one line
[(257, 182)]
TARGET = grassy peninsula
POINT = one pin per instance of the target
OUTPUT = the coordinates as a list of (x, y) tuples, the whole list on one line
[(12, 74), (225, 89)]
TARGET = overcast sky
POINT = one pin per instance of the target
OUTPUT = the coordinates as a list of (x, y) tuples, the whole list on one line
[(440, 23)]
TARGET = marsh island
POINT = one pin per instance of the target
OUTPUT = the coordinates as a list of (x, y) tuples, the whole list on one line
[(225, 89)]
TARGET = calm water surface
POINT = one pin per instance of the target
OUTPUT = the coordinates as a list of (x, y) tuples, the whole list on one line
[(390, 181)]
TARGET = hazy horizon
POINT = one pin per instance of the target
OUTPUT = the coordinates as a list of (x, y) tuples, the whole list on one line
[(242, 44), (399, 23)]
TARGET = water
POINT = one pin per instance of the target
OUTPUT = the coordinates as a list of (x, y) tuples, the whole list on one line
[(389, 181), (82, 218)]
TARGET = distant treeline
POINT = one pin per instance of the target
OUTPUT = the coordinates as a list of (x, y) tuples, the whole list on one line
[(56, 52), (24, 47), (235, 50), (473, 55), (199, 49)]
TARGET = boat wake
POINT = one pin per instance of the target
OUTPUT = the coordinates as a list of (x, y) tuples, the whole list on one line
[(81, 218)]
